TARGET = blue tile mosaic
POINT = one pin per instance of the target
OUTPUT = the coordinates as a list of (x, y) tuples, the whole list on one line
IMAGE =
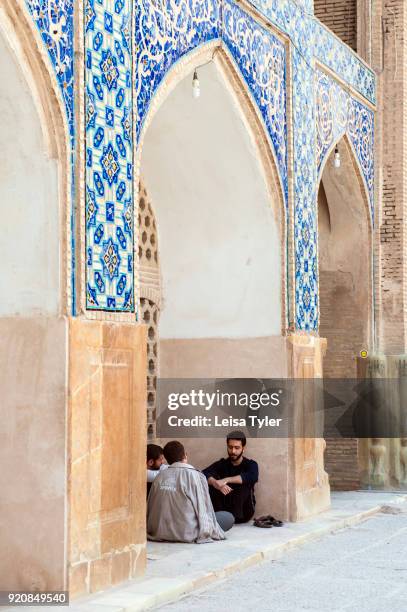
[(164, 31), (109, 188), (261, 59), (338, 113), (313, 40), (305, 215), (54, 20), (259, 55)]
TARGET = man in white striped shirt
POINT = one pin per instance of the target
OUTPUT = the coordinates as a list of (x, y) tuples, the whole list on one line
[(179, 506)]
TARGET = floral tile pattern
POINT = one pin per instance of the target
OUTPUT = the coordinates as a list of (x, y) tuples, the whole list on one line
[(109, 155), (54, 20), (163, 32), (338, 113), (261, 59)]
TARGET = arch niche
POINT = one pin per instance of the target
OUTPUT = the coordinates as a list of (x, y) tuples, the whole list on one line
[(208, 168), (345, 288), (34, 151)]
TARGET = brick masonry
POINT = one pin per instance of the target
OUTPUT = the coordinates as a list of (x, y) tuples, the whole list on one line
[(340, 16), (377, 30), (341, 463)]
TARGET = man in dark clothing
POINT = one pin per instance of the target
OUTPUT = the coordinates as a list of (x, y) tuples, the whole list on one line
[(155, 463), (231, 481)]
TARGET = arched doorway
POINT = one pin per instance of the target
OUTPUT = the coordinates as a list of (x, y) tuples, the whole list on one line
[(345, 289), (221, 239)]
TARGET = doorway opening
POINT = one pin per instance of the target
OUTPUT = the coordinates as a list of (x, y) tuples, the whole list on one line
[(208, 175), (345, 290)]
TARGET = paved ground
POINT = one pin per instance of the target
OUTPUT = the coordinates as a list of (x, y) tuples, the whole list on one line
[(368, 565), (361, 568)]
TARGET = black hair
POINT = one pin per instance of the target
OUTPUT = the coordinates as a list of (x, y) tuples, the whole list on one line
[(236, 435), (174, 451), (154, 452)]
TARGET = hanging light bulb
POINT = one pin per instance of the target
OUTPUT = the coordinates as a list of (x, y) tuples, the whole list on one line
[(337, 158), (196, 89)]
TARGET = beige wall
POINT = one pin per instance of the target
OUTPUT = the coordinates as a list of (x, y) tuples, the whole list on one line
[(229, 357), (233, 358), (29, 200), (218, 225), (33, 383), (286, 489), (33, 350)]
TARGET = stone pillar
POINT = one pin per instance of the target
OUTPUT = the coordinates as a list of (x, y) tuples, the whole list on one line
[(106, 465), (383, 461), (309, 491)]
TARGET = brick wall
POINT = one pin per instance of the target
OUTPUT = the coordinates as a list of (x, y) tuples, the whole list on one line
[(340, 16), (389, 58), (339, 315), (341, 463)]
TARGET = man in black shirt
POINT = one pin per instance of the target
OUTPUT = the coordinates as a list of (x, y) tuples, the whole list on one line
[(231, 481)]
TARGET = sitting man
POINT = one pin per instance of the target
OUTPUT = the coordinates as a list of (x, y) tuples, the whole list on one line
[(155, 463), (179, 508), (232, 480)]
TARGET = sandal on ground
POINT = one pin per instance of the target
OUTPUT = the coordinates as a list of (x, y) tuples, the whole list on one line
[(267, 521)]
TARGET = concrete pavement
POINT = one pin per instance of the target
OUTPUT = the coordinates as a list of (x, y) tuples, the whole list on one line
[(361, 568), (175, 570)]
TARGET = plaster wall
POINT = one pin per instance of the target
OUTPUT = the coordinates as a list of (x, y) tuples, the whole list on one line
[(33, 348), (292, 483), (229, 358), (29, 234), (218, 236)]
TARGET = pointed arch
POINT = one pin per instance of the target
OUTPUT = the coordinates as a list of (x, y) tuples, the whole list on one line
[(344, 137), (348, 215), (217, 52)]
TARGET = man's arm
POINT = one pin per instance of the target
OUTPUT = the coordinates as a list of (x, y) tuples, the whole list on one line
[(251, 473), (249, 476), (212, 471), (220, 485), (212, 475), (152, 474)]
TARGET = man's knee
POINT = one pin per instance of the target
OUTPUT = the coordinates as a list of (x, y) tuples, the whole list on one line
[(226, 520)]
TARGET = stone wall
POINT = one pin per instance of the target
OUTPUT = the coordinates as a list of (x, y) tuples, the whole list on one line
[(107, 441)]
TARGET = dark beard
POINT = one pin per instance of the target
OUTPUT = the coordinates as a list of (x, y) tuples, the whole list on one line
[(234, 458)]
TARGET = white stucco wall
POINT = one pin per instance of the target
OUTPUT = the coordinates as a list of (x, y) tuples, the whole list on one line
[(29, 229), (219, 244)]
